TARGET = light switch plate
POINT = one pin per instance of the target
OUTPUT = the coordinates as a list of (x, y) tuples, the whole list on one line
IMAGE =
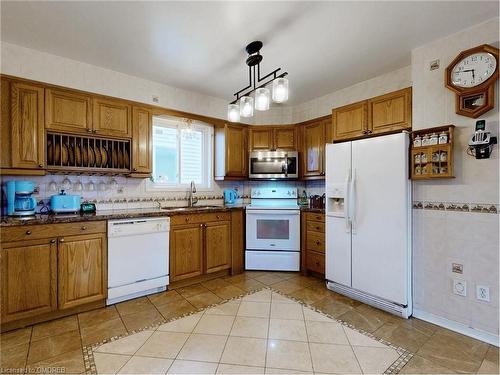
[(460, 287)]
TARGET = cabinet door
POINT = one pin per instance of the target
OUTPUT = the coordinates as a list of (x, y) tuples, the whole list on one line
[(82, 270), (142, 147), (28, 279), (218, 246), (261, 139), (236, 151), (27, 134), (67, 111), (390, 112), (285, 138), (111, 117), (350, 121), (313, 148), (186, 251)]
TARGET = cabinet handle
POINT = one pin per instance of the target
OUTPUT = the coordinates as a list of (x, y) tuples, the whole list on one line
[(28, 232), (40, 165), (317, 242), (52, 241), (317, 263), (94, 131), (61, 240), (89, 130), (83, 228), (187, 219), (218, 216)]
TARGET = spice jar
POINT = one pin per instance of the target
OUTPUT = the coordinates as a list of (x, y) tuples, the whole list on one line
[(433, 140), (417, 142), (425, 140), (443, 156), (443, 138)]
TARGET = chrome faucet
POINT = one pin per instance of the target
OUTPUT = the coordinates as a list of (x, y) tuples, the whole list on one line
[(192, 200)]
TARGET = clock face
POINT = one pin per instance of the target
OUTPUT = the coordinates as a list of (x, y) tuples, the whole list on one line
[(473, 70)]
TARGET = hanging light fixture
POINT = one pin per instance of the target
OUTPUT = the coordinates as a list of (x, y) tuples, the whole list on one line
[(258, 84), (262, 99)]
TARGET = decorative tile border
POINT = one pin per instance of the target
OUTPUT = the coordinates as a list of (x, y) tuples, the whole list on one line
[(484, 208), (404, 354)]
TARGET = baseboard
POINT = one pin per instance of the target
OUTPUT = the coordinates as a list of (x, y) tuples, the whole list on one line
[(464, 329)]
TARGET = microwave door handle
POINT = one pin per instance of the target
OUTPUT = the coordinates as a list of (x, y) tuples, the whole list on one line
[(286, 165)]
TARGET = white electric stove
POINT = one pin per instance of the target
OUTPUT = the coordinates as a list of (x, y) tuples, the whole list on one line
[(273, 230)]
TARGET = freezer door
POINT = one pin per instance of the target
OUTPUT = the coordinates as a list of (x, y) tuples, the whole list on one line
[(380, 217), (338, 227)]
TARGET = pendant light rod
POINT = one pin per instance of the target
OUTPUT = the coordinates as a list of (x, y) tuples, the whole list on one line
[(254, 87)]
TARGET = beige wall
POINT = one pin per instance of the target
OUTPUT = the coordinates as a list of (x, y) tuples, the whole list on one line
[(441, 238)]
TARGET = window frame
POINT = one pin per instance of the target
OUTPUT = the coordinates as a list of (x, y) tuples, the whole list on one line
[(207, 131)]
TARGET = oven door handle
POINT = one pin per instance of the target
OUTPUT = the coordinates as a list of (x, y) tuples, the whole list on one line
[(274, 212)]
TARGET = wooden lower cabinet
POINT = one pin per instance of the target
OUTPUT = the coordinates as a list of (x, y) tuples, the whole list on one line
[(82, 270), (218, 246), (186, 251), (29, 279), (313, 243)]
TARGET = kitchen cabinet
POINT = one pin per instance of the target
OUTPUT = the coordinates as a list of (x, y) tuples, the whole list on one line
[(29, 278), (350, 121), (68, 111), (186, 251), (52, 270), (313, 243), (313, 149), (82, 269), (27, 145), (390, 112), (111, 117), (231, 156), (383, 114), (273, 138), (142, 142), (218, 246)]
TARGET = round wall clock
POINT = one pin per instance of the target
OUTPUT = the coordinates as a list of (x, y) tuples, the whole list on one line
[(472, 75)]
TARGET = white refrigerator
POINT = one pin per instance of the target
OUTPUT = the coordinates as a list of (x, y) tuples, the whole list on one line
[(368, 222)]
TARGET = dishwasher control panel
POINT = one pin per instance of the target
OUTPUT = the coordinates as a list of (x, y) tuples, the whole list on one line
[(128, 227)]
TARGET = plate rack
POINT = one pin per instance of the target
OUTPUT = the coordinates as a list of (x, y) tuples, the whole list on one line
[(83, 154)]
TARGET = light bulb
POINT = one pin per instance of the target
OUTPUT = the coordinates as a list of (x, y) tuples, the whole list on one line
[(246, 106), (233, 112), (262, 99), (280, 90)]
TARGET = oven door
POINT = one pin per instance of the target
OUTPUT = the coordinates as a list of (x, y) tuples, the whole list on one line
[(273, 165), (277, 230)]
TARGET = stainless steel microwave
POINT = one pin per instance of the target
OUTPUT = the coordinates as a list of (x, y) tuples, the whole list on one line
[(273, 165)]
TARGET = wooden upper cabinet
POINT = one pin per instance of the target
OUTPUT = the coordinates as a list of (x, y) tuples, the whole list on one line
[(111, 117), (29, 278), (218, 246), (68, 111), (390, 112), (285, 138), (142, 141), (350, 121), (186, 251), (82, 270), (261, 139), (313, 148), (27, 133), (236, 151)]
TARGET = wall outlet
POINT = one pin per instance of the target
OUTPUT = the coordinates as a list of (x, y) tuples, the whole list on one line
[(460, 287), (483, 293), (457, 268), (156, 99)]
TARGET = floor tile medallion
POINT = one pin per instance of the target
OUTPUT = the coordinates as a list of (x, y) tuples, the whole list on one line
[(261, 332)]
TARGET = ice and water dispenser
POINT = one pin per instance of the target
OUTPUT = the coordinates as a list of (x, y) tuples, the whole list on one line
[(335, 199)]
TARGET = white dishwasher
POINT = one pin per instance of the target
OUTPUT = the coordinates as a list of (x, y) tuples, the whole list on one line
[(138, 256)]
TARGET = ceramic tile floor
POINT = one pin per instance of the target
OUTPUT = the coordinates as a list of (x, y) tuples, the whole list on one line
[(261, 332), (58, 344)]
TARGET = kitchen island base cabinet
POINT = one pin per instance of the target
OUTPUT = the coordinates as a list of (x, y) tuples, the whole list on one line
[(186, 251)]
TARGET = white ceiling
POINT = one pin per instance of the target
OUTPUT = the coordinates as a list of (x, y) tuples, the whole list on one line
[(199, 46)]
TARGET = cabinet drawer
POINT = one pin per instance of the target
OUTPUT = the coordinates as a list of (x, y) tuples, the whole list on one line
[(31, 232), (315, 226), (200, 218), (315, 242), (314, 216), (315, 262)]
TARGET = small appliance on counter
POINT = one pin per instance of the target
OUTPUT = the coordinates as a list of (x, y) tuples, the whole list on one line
[(64, 203), (19, 198), (317, 201), (230, 196), (87, 208)]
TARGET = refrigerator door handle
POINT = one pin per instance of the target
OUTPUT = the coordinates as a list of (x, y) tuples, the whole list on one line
[(347, 203), (352, 202)]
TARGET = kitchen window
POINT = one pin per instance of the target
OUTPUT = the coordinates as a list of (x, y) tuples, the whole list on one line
[(182, 152)]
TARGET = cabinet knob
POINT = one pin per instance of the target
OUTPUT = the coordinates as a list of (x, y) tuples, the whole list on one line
[(135, 169), (40, 165), (83, 228), (218, 216), (187, 219), (28, 232), (61, 240), (52, 241), (201, 225), (94, 131), (89, 130), (317, 228), (317, 263), (317, 242)]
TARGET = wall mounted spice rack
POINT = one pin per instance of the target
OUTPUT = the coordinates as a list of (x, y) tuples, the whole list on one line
[(432, 153), (83, 154)]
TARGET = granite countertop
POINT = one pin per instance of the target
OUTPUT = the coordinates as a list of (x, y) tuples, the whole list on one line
[(113, 215)]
